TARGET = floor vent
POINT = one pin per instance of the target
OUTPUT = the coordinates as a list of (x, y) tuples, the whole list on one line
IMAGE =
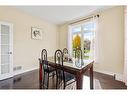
[(17, 68)]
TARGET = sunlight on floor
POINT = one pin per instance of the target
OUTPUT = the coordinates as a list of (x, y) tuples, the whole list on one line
[(97, 84), (86, 83)]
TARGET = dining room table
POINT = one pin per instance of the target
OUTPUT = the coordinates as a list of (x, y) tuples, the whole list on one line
[(73, 66)]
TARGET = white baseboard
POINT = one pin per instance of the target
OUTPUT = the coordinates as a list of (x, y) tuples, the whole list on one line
[(118, 77), (104, 72), (24, 71)]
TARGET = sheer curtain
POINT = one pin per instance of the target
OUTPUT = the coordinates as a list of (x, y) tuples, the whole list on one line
[(94, 46), (96, 40), (92, 39), (69, 40)]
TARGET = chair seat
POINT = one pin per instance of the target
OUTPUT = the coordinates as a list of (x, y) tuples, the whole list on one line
[(69, 77), (50, 69)]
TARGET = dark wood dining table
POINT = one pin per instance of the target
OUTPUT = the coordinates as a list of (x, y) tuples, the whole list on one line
[(72, 68)]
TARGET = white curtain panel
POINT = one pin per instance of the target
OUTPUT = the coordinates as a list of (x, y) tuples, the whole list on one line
[(96, 41), (69, 40), (92, 45)]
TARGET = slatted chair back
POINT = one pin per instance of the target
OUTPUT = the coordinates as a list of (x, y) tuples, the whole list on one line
[(59, 72), (44, 58)]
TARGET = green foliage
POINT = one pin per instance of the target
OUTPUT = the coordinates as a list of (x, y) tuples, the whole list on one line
[(86, 51)]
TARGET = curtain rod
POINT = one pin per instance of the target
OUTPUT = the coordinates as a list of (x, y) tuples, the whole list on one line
[(85, 19)]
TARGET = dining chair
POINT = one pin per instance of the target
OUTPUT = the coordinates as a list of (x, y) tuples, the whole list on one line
[(61, 75), (46, 68), (78, 53), (74, 53), (78, 58), (65, 51), (65, 54)]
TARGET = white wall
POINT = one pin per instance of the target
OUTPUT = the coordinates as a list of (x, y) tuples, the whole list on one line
[(26, 50), (111, 40)]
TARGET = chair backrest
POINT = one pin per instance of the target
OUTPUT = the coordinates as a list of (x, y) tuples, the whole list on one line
[(65, 54), (78, 57), (44, 58), (74, 52), (78, 53), (58, 57), (65, 51)]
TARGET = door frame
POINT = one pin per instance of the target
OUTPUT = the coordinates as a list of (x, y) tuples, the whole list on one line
[(10, 74)]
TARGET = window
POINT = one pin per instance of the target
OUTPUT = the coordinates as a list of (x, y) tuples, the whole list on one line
[(82, 37), (88, 40)]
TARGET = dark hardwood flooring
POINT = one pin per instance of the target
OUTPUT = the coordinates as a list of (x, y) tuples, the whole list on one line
[(30, 80)]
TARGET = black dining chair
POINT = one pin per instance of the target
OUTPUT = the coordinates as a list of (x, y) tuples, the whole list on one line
[(65, 54), (46, 68), (65, 51), (74, 53), (61, 75), (79, 58), (78, 53)]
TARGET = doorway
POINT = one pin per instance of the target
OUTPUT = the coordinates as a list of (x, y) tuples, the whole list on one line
[(6, 50)]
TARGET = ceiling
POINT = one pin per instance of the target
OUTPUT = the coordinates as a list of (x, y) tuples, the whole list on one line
[(60, 14)]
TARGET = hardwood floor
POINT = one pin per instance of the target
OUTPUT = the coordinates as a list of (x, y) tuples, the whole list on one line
[(108, 82), (30, 80)]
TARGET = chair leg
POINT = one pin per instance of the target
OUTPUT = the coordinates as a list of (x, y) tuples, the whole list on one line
[(56, 80), (53, 75), (48, 81), (64, 84), (43, 79), (40, 85)]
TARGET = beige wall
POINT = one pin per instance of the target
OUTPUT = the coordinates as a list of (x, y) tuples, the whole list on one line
[(26, 50), (63, 35), (111, 40)]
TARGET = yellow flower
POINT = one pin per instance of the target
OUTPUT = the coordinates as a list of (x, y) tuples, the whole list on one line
[(77, 41)]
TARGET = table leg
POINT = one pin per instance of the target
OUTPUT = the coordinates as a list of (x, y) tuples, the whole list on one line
[(40, 72), (91, 77), (79, 81), (40, 76)]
